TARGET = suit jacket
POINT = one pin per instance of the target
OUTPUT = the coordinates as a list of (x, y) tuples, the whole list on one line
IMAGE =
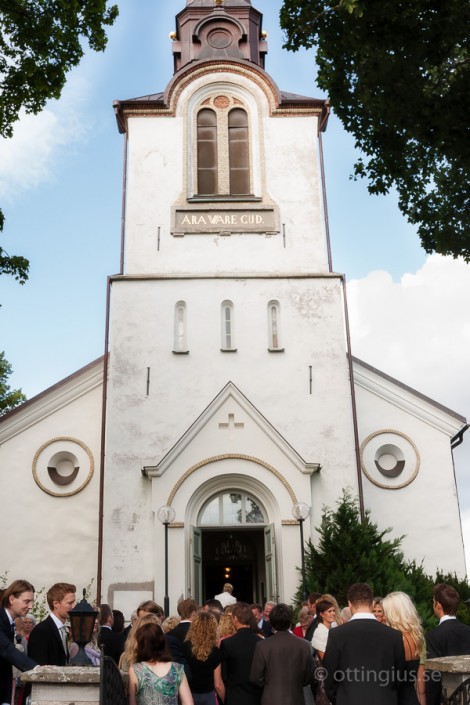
[(9, 656), (311, 630), (282, 666), (113, 643), (45, 644), (363, 662), (450, 638), (237, 656), (266, 627), (180, 631)]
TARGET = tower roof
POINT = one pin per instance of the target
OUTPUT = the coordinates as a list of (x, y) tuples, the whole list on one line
[(218, 29)]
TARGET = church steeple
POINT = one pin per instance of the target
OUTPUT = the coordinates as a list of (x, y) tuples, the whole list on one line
[(218, 29)]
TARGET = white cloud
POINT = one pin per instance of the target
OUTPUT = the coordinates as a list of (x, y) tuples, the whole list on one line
[(31, 156), (417, 329)]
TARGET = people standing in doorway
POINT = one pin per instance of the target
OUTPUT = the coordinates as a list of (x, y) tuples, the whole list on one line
[(48, 642)]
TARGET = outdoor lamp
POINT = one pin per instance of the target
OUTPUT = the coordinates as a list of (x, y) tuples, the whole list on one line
[(82, 622), (166, 515), (301, 511)]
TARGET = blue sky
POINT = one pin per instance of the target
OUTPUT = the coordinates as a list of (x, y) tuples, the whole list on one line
[(60, 190)]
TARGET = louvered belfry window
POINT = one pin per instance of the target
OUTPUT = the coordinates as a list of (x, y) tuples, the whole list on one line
[(207, 152)]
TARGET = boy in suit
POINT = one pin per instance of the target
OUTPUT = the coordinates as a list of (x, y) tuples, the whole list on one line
[(47, 643), (237, 656), (17, 600), (449, 638)]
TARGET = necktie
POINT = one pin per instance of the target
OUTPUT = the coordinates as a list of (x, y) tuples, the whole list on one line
[(63, 635)]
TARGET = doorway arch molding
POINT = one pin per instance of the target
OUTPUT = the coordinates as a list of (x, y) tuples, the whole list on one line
[(231, 456)]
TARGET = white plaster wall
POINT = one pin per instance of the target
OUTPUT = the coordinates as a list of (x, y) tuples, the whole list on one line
[(157, 153), (142, 428), (426, 510), (48, 539)]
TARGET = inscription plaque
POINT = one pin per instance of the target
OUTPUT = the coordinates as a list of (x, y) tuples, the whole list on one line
[(226, 221)]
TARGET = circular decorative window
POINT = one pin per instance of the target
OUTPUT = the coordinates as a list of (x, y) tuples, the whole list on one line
[(389, 459), (63, 466), (219, 39)]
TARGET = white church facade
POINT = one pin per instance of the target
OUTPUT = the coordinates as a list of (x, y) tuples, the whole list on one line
[(228, 392)]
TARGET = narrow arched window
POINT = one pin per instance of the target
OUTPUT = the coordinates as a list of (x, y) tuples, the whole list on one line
[(228, 342), (207, 152), (239, 152), (180, 344), (274, 326)]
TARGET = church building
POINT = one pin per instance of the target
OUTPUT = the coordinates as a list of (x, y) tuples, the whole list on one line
[(228, 401)]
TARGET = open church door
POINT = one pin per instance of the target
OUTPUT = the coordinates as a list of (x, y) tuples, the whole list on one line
[(196, 563), (270, 563)]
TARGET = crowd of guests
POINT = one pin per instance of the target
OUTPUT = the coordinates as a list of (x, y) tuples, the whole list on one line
[(227, 652)]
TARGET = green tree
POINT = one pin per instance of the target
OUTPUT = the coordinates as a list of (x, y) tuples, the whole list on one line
[(350, 551), (9, 398), (40, 41), (397, 74)]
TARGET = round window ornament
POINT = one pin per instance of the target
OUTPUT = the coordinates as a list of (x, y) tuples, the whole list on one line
[(63, 466), (219, 38), (389, 459)]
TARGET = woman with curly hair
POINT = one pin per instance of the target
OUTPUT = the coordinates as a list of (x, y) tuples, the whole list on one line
[(154, 679), (400, 613), (204, 659), (226, 626)]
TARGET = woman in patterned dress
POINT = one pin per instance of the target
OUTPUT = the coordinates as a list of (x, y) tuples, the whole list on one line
[(154, 679)]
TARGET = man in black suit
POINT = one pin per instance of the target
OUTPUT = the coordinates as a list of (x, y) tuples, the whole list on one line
[(237, 656), (112, 642), (48, 641), (364, 659), (449, 638), (17, 600)]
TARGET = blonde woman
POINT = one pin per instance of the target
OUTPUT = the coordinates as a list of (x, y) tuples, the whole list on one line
[(226, 626), (129, 656), (204, 660), (400, 613), (377, 609)]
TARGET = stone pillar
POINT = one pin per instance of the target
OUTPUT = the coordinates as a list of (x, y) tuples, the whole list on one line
[(62, 685), (454, 670)]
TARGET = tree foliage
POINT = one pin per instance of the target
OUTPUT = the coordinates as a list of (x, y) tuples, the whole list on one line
[(9, 398), (397, 73), (350, 551), (40, 41)]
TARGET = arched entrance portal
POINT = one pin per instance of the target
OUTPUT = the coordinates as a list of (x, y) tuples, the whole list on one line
[(234, 543)]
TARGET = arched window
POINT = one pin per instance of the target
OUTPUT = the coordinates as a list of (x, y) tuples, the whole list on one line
[(274, 327), (228, 343), (232, 509), (207, 176), (180, 343), (239, 152)]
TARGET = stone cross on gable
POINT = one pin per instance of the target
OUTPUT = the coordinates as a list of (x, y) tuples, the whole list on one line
[(231, 424)]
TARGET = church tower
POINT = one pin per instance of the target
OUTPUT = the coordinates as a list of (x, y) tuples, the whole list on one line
[(229, 394)]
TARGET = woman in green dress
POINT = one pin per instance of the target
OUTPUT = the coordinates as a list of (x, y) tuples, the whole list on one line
[(154, 679)]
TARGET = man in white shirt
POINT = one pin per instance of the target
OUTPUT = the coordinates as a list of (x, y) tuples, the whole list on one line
[(226, 598)]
